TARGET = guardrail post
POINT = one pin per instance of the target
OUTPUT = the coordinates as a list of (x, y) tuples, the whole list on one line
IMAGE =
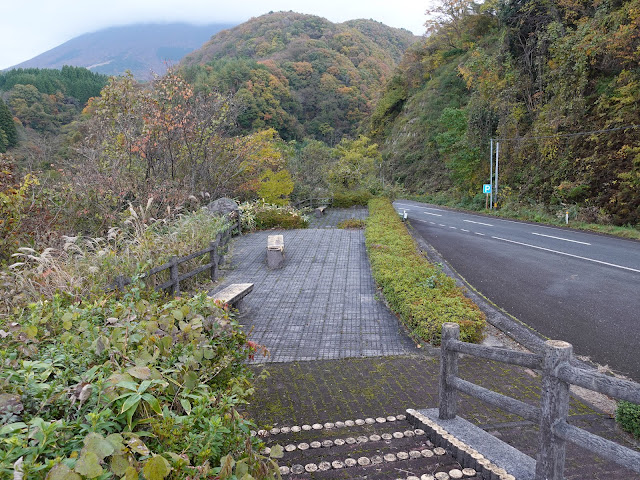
[(173, 270), (554, 408), (448, 368)]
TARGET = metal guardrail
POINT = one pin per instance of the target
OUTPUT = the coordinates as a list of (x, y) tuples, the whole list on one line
[(172, 286), (552, 414)]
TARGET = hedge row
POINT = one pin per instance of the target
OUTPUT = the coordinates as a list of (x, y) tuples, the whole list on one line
[(419, 292)]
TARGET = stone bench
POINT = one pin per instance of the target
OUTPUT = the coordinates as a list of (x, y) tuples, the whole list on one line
[(320, 211), (232, 294), (275, 251)]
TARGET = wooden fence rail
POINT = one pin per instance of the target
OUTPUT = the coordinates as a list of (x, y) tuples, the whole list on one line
[(214, 250), (313, 202), (557, 376)]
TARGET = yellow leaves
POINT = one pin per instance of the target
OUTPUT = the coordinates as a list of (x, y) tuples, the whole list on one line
[(275, 188)]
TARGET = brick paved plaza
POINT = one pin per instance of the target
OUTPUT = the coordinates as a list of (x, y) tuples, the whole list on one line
[(322, 303)]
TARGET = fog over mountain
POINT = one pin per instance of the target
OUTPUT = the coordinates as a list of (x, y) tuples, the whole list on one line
[(142, 48)]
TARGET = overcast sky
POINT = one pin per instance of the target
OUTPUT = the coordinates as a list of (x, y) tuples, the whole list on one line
[(31, 27)]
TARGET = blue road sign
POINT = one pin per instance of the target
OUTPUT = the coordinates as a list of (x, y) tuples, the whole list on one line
[(486, 188)]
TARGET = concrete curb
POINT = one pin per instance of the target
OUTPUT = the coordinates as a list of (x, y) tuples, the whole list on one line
[(474, 448)]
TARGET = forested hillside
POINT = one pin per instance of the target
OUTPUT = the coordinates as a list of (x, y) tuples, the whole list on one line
[(300, 74), (37, 103), (537, 75)]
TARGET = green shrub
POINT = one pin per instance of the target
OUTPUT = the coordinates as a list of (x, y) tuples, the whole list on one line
[(115, 387), (272, 219), (264, 216), (628, 417), (351, 199), (419, 292)]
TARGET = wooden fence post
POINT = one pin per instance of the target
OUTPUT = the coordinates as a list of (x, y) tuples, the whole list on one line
[(554, 409), (175, 283), (213, 257), (448, 405)]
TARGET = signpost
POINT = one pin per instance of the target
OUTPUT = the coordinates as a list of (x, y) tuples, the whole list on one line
[(486, 188)]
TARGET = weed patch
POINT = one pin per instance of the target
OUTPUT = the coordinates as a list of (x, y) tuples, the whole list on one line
[(628, 417), (351, 223)]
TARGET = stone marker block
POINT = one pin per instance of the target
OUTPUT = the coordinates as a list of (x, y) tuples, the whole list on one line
[(275, 251)]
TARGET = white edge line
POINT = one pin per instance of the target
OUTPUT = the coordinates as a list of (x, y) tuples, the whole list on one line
[(569, 255), (559, 238)]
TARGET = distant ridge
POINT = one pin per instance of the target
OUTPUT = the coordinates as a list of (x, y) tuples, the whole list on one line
[(142, 48), (301, 74)]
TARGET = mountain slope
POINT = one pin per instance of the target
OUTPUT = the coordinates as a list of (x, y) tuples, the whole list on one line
[(142, 48), (556, 82), (301, 74)]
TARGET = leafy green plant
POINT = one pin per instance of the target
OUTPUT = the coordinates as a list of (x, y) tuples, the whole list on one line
[(628, 417), (113, 387), (419, 292)]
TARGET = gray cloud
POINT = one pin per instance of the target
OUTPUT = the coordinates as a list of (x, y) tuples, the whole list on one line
[(31, 27)]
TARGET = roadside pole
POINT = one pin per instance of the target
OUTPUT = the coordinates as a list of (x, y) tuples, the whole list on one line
[(495, 193), (491, 171)]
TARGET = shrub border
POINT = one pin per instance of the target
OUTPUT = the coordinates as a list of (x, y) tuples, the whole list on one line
[(416, 290)]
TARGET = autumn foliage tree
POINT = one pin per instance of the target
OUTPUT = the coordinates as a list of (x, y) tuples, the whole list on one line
[(168, 141)]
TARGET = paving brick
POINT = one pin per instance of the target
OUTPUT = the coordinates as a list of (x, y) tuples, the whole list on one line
[(322, 303)]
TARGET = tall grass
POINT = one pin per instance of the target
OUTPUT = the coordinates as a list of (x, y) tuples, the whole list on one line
[(83, 265)]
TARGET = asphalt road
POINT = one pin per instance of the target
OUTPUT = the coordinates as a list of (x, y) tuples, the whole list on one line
[(568, 285)]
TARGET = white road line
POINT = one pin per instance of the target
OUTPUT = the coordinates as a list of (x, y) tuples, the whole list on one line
[(478, 233), (463, 230), (559, 238), (479, 223), (453, 228), (419, 206), (432, 223), (415, 206), (569, 255), (442, 225)]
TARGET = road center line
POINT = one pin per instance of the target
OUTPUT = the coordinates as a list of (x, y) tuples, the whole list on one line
[(463, 230), (434, 214), (478, 223), (569, 255), (478, 233), (560, 238)]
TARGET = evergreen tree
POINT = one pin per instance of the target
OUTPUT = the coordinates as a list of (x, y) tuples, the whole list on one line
[(7, 126), (3, 141)]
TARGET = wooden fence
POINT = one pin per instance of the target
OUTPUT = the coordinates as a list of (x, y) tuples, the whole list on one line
[(214, 250), (313, 202), (557, 375)]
